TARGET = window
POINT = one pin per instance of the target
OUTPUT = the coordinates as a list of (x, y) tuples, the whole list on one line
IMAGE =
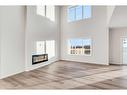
[(125, 42), (46, 47), (50, 48), (76, 13), (40, 47), (71, 14), (79, 46), (41, 10), (50, 12), (86, 12), (86, 46), (46, 11), (79, 12)]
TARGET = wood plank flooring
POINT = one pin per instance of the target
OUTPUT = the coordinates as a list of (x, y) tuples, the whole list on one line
[(69, 75)]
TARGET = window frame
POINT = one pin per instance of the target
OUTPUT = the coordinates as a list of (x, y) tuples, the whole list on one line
[(54, 52), (45, 48), (91, 48), (76, 14), (45, 12), (83, 17), (46, 15)]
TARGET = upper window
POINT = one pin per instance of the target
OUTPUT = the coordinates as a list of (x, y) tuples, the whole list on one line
[(76, 13), (47, 11), (50, 12), (71, 14), (86, 12), (41, 10), (79, 13)]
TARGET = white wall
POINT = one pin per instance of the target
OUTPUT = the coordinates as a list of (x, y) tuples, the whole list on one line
[(115, 50), (19, 34), (39, 28), (110, 11), (119, 17), (12, 21), (95, 28)]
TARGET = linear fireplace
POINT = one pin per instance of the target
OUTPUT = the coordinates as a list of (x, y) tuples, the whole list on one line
[(39, 58)]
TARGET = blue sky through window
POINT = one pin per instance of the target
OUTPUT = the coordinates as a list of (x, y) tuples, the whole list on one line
[(76, 13), (87, 42), (79, 42), (71, 14), (86, 11), (79, 13)]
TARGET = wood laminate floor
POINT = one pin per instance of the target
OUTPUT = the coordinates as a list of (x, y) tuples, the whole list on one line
[(69, 75)]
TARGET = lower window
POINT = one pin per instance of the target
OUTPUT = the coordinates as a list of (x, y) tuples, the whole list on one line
[(50, 48), (79, 46), (45, 47)]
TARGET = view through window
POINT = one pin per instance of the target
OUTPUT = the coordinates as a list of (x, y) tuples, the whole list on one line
[(46, 47), (80, 12), (79, 46), (46, 11)]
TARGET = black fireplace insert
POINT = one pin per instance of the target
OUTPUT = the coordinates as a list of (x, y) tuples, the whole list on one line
[(39, 58)]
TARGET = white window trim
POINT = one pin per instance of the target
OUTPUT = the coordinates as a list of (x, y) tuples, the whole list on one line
[(91, 48), (45, 51), (45, 13), (75, 13)]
